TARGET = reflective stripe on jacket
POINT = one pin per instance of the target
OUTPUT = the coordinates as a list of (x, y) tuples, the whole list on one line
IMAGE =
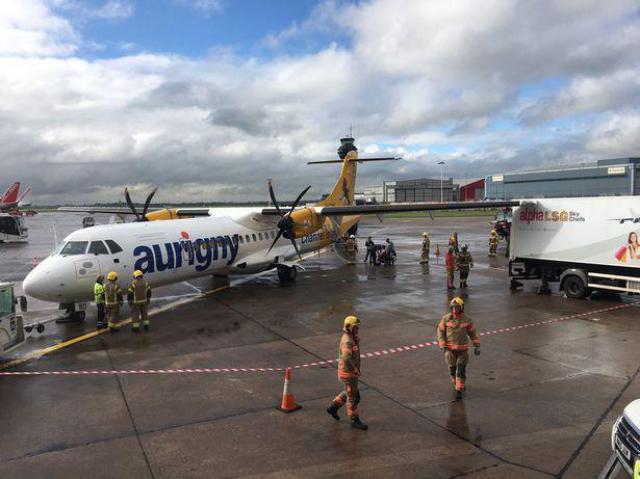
[(98, 293), (426, 244), (140, 289), (349, 357), (111, 292), (453, 332)]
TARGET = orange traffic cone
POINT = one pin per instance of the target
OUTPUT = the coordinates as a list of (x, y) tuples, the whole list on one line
[(288, 402)]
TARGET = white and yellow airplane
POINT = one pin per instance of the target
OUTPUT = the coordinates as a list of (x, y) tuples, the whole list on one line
[(208, 241)]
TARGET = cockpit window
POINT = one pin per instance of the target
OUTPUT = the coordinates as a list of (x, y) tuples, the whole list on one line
[(98, 247), (113, 246), (75, 247)]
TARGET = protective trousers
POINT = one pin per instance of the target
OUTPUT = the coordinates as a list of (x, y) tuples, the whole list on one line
[(425, 255), (450, 274), (139, 312), (100, 316), (464, 274), (112, 316), (370, 256), (457, 362), (350, 396)]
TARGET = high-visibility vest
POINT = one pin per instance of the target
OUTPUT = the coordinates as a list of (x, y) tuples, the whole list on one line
[(98, 292), (111, 291), (139, 288)]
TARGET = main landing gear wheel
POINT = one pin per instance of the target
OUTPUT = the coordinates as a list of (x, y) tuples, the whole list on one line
[(287, 274)]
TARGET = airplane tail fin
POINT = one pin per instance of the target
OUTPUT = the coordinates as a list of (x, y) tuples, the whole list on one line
[(344, 190), (11, 195), (25, 197)]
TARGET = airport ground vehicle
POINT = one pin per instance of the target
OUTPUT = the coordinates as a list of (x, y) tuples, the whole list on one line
[(585, 244), (625, 438), (12, 227), (12, 332)]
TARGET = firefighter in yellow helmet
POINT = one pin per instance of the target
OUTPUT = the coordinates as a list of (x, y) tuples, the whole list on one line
[(426, 246), (112, 301), (348, 373), (138, 297), (493, 243), (453, 330), (351, 247)]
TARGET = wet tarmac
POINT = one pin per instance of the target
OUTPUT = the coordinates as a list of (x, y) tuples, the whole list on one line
[(541, 399)]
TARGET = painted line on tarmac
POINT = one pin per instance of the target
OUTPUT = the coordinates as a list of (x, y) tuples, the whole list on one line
[(375, 354), (56, 347)]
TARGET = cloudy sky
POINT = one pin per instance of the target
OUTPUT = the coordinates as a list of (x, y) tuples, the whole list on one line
[(208, 98)]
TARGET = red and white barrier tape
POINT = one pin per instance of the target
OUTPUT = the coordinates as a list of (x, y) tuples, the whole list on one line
[(374, 354)]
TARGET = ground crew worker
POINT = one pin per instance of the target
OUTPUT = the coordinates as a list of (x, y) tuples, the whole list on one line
[(348, 373), (493, 243), (450, 263), (112, 301), (371, 251), (138, 297), (389, 252), (456, 244), (352, 249), (426, 246), (464, 262), (98, 297), (453, 330), (506, 252)]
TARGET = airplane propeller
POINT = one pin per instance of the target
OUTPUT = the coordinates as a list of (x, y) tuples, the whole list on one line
[(286, 223), (143, 216)]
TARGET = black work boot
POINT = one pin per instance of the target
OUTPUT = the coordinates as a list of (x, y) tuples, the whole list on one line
[(333, 411), (458, 394), (358, 424)]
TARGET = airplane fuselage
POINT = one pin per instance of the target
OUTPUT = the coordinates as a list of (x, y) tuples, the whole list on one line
[(235, 241)]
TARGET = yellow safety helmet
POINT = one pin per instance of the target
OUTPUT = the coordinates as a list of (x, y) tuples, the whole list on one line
[(425, 234), (457, 301), (138, 274), (112, 276), (494, 232), (349, 323)]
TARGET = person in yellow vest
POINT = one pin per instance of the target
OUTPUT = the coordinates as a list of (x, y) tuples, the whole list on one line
[(98, 297), (493, 243), (348, 373), (138, 297), (426, 246), (453, 330), (112, 301)]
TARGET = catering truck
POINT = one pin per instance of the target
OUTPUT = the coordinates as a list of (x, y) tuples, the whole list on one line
[(584, 244), (12, 332)]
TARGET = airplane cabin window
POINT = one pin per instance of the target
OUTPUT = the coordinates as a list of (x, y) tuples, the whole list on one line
[(260, 236), (98, 247), (241, 239), (273, 235), (254, 237), (75, 247), (247, 238), (113, 246)]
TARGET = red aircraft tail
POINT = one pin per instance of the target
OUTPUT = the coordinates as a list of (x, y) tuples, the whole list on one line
[(11, 195)]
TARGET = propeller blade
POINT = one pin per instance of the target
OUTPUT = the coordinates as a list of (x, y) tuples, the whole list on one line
[(293, 241), (127, 197), (275, 241), (273, 197), (295, 203), (147, 203)]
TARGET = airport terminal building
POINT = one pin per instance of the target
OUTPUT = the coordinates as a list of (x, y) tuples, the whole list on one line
[(612, 177)]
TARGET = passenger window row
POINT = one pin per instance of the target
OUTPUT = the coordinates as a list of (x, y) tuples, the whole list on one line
[(257, 237)]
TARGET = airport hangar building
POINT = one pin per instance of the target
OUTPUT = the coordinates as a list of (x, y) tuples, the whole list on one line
[(612, 177)]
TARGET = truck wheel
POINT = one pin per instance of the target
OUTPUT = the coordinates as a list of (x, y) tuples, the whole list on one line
[(574, 287), (40, 328)]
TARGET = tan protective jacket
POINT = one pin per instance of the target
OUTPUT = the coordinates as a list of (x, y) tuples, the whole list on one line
[(349, 357), (453, 333)]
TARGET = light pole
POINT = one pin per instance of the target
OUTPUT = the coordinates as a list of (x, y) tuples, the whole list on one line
[(441, 163)]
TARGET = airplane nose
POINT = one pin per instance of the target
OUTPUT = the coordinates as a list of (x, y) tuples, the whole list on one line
[(35, 284)]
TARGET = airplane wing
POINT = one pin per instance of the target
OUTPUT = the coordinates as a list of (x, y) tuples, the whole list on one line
[(180, 212), (382, 209)]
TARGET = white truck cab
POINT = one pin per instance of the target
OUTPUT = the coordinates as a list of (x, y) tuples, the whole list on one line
[(625, 438), (11, 326)]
